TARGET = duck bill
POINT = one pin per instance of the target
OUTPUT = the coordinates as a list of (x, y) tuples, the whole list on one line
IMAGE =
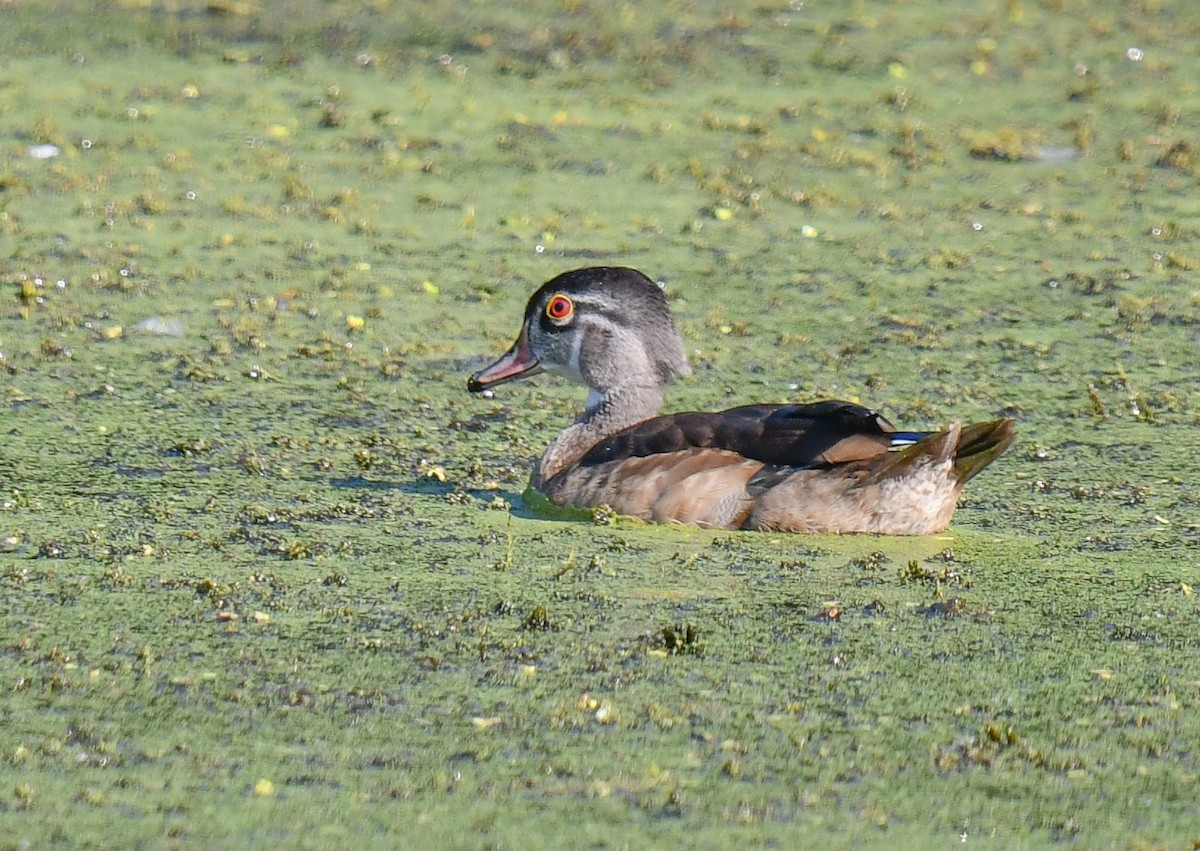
[(517, 362)]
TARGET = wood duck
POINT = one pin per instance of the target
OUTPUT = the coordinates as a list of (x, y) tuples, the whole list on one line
[(831, 466)]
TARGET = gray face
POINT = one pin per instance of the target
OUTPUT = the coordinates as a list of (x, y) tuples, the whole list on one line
[(606, 328)]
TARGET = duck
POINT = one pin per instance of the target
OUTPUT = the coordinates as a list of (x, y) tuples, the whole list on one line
[(830, 467)]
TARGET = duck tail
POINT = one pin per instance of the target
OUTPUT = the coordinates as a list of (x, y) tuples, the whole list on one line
[(971, 447), (979, 445)]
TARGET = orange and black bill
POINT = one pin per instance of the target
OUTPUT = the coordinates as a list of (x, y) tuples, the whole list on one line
[(517, 362)]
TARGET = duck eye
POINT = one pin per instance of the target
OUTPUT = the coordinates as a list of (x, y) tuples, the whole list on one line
[(560, 307)]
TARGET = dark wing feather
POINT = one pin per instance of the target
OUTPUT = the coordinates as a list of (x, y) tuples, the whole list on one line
[(821, 434)]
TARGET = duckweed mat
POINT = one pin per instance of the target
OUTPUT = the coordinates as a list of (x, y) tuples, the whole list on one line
[(268, 577)]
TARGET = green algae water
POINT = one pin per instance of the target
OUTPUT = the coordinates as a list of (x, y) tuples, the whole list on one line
[(267, 573)]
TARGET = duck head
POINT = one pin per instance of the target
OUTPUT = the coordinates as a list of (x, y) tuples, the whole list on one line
[(608, 328)]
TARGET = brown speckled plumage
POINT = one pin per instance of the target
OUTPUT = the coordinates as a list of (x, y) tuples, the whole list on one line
[(824, 467)]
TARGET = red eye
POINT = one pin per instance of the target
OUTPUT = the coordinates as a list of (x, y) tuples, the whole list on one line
[(560, 308)]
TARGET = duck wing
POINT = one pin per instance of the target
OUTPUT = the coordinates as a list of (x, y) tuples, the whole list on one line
[(817, 435)]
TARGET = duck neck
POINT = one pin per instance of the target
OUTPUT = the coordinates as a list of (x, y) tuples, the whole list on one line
[(606, 414)]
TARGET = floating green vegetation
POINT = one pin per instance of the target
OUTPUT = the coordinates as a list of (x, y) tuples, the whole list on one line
[(268, 573)]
